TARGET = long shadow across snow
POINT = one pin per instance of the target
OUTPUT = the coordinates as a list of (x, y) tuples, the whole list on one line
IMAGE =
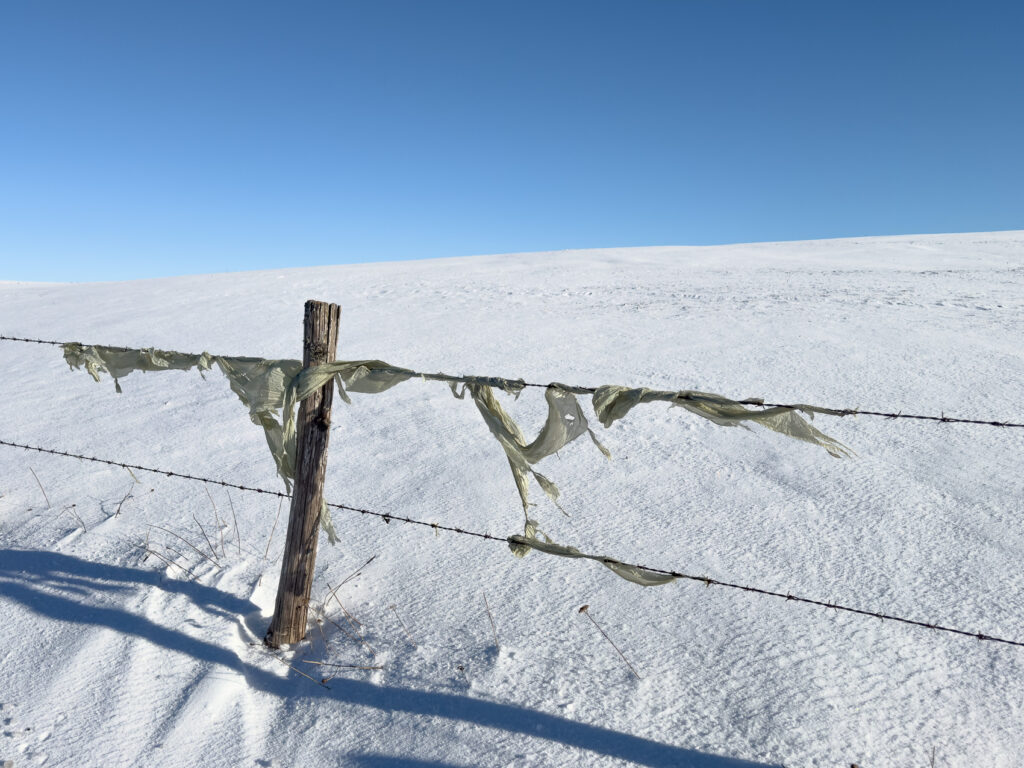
[(27, 577)]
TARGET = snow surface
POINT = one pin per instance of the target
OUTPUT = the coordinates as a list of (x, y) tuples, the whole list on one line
[(110, 657)]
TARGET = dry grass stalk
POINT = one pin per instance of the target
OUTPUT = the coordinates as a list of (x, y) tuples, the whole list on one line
[(586, 610), (493, 628), (170, 563), (334, 594), (48, 504), (319, 625), (322, 682), (216, 517), (352, 637), (353, 622), (127, 495), (71, 508), (340, 666), (187, 542), (208, 542), (178, 552), (356, 572), (238, 538), (269, 538), (404, 628)]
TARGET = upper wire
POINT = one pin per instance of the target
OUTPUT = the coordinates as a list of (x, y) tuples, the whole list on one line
[(942, 418)]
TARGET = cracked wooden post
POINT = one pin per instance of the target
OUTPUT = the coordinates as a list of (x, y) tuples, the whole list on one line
[(313, 424)]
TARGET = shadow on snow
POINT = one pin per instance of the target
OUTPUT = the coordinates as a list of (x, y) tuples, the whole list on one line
[(25, 576)]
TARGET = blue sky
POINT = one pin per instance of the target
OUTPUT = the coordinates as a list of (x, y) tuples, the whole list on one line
[(142, 139)]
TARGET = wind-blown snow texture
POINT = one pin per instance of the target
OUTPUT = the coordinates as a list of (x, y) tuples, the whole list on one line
[(112, 658)]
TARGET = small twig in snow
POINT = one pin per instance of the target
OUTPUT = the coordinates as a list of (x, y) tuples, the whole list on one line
[(127, 495), (48, 504), (404, 628), (339, 666), (208, 542), (164, 559), (586, 610), (271, 536), (318, 682), (356, 572), (493, 628), (238, 538), (192, 546), (216, 517), (71, 508)]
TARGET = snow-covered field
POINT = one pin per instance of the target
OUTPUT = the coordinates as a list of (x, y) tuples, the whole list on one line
[(113, 658)]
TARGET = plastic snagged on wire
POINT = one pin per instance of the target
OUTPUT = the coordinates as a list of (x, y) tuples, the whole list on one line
[(271, 389), (521, 546), (265, 387), (118, 363), (612, 403)]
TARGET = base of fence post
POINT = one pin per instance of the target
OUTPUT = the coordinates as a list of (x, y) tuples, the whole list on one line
[(291, 609)]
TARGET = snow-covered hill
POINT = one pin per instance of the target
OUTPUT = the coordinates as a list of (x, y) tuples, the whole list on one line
[(111, 657)]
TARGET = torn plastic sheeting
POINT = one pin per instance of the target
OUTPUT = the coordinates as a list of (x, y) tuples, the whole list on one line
[(645, 578), (374, 376), (612, 403), (118, 363), (565, 422), (263, 386), (327, 523), (266, 388), (271, 389), (364, 376)]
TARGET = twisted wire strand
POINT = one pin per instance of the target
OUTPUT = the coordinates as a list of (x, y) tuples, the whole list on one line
[(387, 517)]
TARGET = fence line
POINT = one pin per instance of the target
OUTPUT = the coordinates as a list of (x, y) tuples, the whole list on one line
[(942, 418), (56, 343), (388, 517)]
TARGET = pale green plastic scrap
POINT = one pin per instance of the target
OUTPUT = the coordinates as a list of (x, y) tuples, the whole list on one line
[(364, 376), (327, 523), (645, 578), (565, 422), (118, 363), (271, 390), (265, 387), (612, 403)]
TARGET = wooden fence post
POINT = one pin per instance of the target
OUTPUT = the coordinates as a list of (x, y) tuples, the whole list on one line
[(320, 343)]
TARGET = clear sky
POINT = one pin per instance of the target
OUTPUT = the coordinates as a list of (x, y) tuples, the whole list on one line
[(145, 139)]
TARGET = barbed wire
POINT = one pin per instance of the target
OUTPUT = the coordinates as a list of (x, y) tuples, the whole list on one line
[(942, 418), (56, 343), (387, 517), (225, 484)]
